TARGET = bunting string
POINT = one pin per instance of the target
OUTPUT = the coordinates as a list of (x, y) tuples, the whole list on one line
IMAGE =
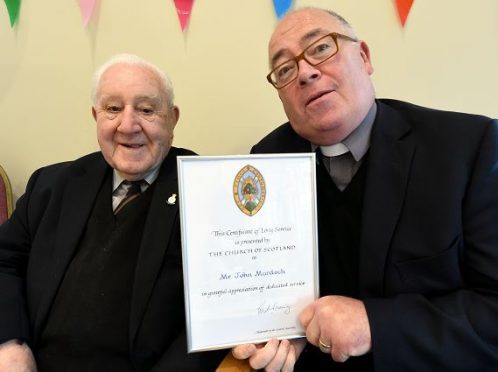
[(184, 10)]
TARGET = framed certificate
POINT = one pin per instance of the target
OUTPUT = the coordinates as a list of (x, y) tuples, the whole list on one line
[(249, 244)]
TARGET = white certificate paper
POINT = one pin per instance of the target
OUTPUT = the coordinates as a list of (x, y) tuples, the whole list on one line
[(249, 242)]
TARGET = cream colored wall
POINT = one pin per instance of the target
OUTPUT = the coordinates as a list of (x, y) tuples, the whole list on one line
[(445, 57)]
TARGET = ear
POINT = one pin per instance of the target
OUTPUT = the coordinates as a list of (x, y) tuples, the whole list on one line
[(365, 56), (175, 115), (94, 113)]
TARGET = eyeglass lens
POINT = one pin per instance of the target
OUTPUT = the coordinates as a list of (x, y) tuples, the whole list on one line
[(314, 54)]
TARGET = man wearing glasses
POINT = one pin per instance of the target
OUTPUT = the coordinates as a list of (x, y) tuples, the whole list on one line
[(407, 210)]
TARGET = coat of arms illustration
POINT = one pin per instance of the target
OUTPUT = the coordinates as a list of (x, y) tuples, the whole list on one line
[(249, 190)]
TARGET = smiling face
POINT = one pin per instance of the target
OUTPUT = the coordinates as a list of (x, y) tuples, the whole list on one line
[(328, 101), (134, 121)]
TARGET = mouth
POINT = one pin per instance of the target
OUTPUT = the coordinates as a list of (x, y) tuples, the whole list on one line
[(131, 145), (317, 96)]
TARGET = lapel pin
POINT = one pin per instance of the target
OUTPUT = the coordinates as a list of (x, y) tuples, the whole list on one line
[(172, 199)]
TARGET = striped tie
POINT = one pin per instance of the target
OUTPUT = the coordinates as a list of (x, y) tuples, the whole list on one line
[(134, 190)]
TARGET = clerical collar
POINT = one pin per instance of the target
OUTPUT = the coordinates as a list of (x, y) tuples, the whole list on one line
[(149, 177), (358, 140), (334, 150)]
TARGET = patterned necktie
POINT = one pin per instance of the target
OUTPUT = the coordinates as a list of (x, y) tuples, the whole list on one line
[(134, 190)]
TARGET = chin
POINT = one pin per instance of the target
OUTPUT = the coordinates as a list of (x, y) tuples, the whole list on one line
[(132, 170)]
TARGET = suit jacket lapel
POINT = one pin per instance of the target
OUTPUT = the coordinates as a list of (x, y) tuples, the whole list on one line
[(77, 202), (389, 161), (161, 221)]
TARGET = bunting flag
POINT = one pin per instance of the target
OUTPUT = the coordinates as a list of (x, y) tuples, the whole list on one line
[(282, 7), (87, 7), (184, 8), (13, 9), (403, 9)]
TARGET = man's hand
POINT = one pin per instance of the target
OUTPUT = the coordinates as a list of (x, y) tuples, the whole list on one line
[(275, 355), (16, 358), (337, 325)]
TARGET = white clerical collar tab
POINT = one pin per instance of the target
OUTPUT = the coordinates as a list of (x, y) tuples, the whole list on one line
[(334, 150)]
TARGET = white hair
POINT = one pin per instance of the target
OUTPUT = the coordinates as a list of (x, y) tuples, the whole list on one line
[(132, 60)]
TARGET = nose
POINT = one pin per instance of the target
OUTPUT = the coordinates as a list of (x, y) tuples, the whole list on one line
[(307, 73), (129, 121)]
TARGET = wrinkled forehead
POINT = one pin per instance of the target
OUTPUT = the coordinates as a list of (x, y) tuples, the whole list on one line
[(298, 29), (130, 81)]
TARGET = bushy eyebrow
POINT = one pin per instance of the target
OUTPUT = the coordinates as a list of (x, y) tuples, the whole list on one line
[(155, 99), (137, 99), (305, 40)]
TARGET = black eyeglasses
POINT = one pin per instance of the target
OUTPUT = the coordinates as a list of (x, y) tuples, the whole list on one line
[(319, 51)]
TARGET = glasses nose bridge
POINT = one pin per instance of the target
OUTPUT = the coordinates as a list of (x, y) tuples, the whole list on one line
[(303, 73), (302, 57)]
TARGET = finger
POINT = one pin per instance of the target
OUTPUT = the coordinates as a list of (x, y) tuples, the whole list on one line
[(290, 360), (325, 346), (313, 332), (298, 344), (243, 351), (263, 356), (280, 357), (338, 355), (306, 315)]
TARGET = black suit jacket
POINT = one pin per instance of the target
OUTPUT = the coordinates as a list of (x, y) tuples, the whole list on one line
[(39, 241), (428, 269)]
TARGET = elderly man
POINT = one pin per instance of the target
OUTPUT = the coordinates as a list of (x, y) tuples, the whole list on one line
[(408, 213), (90, 261)]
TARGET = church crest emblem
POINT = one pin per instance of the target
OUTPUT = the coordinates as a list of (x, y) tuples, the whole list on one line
[(249, 190)]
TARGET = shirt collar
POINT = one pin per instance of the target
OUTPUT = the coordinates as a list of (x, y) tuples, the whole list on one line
[(149, 177), (358, 140)]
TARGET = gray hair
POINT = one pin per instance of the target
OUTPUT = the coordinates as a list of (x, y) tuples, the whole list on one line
[(133, 60), (339, 18)]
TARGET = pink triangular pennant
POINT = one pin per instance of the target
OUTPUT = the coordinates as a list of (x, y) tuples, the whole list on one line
[(184, 8), (87, 7), (404, 7)]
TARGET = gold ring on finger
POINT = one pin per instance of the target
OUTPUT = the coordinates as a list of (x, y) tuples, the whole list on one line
[(324, 347)]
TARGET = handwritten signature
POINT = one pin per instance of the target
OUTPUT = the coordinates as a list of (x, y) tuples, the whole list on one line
[(273, 307)]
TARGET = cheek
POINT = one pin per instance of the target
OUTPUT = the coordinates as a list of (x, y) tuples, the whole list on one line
[(167, 132), (290, 103), (159, 138), (105, 131)]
